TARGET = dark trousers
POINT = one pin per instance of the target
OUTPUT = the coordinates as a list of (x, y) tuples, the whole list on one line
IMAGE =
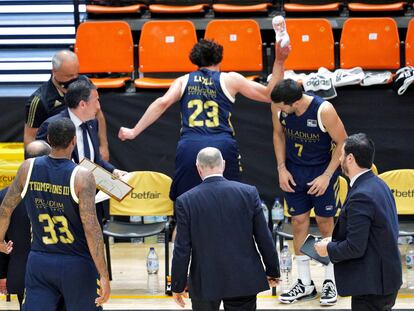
[(373, 302), (244, 303)]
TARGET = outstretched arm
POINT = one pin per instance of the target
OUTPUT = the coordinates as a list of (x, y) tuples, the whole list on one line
[(12, 198), (85, 188), (154, 111)]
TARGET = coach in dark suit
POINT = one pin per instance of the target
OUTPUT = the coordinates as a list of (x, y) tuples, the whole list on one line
[(13, 266), (82, 100), (219, 223), (364, 246)]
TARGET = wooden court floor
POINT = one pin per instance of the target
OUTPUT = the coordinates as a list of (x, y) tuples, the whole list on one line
[(132, 289)]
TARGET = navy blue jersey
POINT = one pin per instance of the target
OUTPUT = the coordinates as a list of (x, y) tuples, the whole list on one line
[(205, 105), (53, 209), (306, 143)]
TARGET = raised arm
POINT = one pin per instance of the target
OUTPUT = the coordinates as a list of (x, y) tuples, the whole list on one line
[(85, 189), (12, 198), (154, 111), (236, 83)]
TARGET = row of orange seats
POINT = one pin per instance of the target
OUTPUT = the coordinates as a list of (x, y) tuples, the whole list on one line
[(164, 46), (190, 7)]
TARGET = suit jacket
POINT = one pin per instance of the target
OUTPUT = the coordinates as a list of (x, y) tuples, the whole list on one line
[(364, 247), (13, 266), (93, 133), (218, 223)]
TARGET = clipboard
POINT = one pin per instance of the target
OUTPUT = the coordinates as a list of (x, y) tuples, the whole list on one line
[(106, 182), (308, 248)]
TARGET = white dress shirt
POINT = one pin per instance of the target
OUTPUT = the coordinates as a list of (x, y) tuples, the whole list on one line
[(79, 137), (356, 177)]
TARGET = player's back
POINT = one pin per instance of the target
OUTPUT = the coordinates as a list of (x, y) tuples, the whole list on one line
[(307, 141), (52, 206), (206, 105)]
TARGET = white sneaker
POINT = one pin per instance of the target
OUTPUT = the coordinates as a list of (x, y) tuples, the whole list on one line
[(329, 295), (298, 291)]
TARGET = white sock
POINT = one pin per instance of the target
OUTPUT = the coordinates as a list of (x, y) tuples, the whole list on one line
[(304, 269), (329, 272)]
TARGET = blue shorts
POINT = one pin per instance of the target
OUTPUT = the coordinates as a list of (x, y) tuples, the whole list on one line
[(51, 277), (186, 175), (300, 202)]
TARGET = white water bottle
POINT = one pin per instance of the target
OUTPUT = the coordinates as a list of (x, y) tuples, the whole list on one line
[(277, 211), (152, 262), (409, 260), (285, 268), (279, 25)]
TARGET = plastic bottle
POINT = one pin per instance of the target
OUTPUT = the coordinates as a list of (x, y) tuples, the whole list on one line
[(277, 211), (285, 268), (279, 26), (152, 284), (409, 259), (265, 212), (152, 261)]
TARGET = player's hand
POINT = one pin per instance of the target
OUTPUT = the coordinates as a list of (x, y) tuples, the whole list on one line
[(104, 291), (286, 180), (179, 298), (319, 185), (6, 247), (282, 53), (126, 133), (3, 288)]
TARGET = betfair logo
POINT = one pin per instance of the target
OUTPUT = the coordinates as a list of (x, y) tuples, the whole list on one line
[(403, 194), (145, 195)]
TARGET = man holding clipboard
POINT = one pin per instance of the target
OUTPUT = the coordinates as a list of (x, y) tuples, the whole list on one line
[(364, 248)]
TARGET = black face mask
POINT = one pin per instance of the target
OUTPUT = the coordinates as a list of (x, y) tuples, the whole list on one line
[(66, 84)]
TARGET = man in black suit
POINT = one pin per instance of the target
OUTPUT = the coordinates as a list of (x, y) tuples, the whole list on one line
[(219, 224), (13, 266), (364, 247)]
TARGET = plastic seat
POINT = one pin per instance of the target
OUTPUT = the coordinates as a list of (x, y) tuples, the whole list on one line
[(164, 47), (241, 8), (375, 7), (150, 197), (236, 36), (178, 9), (105, 47), (409, 44), (312, 44), (103, 9), (311, 8), (370, 43)]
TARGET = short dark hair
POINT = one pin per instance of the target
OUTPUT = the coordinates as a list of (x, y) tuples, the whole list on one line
[(287, 91), (206, 53), (362, 148), (60, 133), (36, 148), (77, 91)]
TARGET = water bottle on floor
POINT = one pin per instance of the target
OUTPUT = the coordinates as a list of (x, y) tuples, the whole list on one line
[(277, 211), (152, 284), (152, 262), (409, 259), (265, 212), (285, 268)]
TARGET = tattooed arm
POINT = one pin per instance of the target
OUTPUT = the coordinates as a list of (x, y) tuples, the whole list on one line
[(85, 189), (12, 198)]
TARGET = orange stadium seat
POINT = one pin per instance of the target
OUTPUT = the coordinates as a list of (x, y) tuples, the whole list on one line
[(105, 47), (164, 47), (370, 43), (165, 7), (242, 44), (249, 6), (409, 44), (375, 7), (106, 9), (312, 44), (291, 7)]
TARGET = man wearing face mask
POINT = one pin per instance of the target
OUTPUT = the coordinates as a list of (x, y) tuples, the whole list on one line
[(48, 100)]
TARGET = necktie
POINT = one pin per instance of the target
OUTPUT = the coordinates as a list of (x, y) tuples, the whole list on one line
[(86, 150)]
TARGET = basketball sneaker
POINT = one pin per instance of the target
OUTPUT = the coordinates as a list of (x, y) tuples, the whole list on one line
[(329, 295), (299, 291)]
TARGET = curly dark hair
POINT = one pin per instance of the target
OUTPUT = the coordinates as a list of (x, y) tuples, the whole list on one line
[(206, 53)]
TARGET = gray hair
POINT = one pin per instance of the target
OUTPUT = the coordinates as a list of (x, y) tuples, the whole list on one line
[(60, 57), (37, 148), (209, 157)]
